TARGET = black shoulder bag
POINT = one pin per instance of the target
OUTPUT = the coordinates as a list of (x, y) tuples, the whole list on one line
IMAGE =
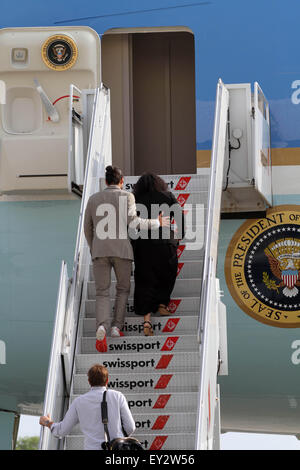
[(120, 443)]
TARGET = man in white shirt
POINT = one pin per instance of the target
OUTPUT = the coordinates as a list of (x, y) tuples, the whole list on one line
[(86, 411)]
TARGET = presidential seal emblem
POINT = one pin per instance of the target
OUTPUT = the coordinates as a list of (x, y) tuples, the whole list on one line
[(59, 52), (262, 267)]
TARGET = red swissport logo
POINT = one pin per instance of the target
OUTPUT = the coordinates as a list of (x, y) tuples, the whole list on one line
[(164, 361), (158, 442), (173, 305), (170, 325), (180, 250), (182, 183), (163, 381), (162, 401), (160, 422), (179, 268), (182, 198), (170, 343)]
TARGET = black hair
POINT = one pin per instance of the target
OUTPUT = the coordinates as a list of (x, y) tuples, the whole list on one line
[(113, 175), (149, 182)]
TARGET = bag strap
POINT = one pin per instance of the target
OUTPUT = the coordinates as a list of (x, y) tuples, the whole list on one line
[(104, 415)]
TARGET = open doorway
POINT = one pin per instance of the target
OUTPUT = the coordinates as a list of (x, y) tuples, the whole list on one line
[(152, 80)]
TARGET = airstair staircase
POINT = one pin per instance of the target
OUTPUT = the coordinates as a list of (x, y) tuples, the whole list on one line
[(159, 375), (169, 379)]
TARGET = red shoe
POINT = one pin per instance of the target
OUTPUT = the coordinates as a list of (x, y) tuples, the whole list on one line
[(116, 332), (101, 346)]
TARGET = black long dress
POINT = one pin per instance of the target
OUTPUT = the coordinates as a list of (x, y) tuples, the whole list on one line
[(156, 259)]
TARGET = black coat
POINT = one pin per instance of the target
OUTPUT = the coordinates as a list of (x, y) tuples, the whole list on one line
[(156, 202)]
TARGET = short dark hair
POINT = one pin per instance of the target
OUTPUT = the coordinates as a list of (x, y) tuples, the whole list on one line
[(113, 175), (98, 375)]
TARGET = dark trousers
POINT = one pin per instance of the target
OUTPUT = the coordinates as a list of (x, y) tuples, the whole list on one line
[(154, 275)]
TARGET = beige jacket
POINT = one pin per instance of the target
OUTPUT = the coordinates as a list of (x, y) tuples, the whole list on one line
[(107, 216)]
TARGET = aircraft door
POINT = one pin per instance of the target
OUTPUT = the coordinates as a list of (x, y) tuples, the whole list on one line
[(76, 150), (262, 145), (153, 103), (247, 185), (37, 67)]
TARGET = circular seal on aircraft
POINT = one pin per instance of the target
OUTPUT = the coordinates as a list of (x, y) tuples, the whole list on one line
[(262, 267), (59, 52)]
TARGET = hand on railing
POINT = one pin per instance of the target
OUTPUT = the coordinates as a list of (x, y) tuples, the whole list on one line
[(46, 421)]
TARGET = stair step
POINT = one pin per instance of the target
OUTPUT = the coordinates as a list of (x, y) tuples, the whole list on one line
[(137, 344), (159, 441), (144, 382), (191, 197), (191, 182), (186, 269), (194, 233), (190, 252), (166, 441), (161, 325), (185, 253), (153, 423), (183, 287), (159, 403), (195, 192), (179, 306), (173, 422), (127, 363)]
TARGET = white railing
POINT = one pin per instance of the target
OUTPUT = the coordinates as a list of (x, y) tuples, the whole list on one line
[(76, 159), (55, 393), (208, 326), (99, 155), (68, 312)]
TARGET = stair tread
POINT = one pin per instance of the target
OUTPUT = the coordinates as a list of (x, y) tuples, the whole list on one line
[(159, 403), (130, 299), (177, 362), (173, 422), (133, 326), (188, 279), (153, 394), (162, 440)]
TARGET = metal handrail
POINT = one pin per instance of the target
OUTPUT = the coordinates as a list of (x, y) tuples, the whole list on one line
[(68, 317), (208, 290), (79, 237), (94, 170), (211, 237), (55, 354)]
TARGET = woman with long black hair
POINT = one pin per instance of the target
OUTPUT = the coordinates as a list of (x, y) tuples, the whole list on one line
[(155, 252)]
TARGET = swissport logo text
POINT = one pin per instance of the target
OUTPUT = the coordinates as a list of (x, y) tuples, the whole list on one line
[(168, 345)]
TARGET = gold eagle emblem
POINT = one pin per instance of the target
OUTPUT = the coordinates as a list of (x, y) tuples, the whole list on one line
[(284, 260)]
